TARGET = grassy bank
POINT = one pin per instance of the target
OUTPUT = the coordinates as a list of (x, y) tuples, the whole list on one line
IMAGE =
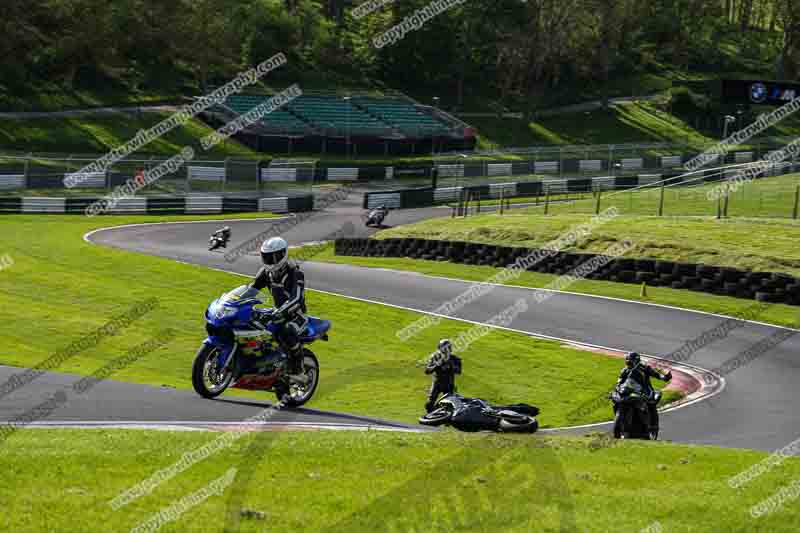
[(352, 481), (754, 244), (99, 134)]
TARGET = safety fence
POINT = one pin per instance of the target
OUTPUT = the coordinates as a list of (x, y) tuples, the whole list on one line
[(671, 193), (288, 177), (159, 205), (761, 286)]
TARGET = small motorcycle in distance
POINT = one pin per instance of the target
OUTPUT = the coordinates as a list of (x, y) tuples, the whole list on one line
[(219, 239), (375, 217), (633, 409), (216, 242), (241, 353), (474, 414)]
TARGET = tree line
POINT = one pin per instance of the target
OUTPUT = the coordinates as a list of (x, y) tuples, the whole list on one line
[(517, 51)]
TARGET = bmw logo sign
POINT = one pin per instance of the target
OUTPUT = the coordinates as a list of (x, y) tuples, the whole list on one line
[(758, 92)]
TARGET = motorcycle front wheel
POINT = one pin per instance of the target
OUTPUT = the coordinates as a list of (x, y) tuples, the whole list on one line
[(618, 423), (208, 381), (518, 424), (437, 417)]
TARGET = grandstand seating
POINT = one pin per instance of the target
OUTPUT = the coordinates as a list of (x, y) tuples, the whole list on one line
[(336, 115), (333, 115), (280, 121), (403, 115)]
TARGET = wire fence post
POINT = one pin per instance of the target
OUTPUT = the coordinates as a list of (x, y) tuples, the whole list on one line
[(546, 199), (796, 201), (661, 201), (597, 203), (725, 204), (26, 169)]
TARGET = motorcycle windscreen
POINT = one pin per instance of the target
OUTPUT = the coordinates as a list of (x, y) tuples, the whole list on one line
[(240, 295)]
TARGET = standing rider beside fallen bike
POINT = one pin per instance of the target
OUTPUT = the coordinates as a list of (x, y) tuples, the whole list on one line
[(444, 365), (286, 284)]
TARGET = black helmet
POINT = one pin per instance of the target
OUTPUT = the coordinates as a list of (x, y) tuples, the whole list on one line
[(632, 359)]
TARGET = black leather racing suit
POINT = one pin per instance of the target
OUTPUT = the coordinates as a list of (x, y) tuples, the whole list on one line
[(642, 373), (444, 379), (287, 288)]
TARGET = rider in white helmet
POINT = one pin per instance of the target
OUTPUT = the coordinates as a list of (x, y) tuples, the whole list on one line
[(286, 282)]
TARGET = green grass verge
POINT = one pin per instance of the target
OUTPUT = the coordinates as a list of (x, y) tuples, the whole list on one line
[(765, 244), (629, 122), (768, 197), (66, 288), (351, 481)]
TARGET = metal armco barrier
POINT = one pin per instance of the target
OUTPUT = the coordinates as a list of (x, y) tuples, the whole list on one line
[(762, 286), (160, 205)]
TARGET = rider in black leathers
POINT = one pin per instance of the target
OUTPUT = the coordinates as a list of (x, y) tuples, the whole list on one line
[(223, 233), (444, 365), (381, 210), (641, 373), (286, 284)]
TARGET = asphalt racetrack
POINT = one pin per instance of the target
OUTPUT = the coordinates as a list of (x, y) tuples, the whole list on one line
[(755, 408)]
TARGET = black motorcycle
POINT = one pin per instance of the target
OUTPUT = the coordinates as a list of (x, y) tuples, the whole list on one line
[(375, 218), (635, 411), (217, 241), (474, 414)]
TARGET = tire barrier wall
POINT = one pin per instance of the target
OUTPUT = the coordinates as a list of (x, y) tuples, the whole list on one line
[(160, 205), (770, 287)]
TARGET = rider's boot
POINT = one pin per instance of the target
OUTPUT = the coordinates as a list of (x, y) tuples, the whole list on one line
[(294, 363), (282, 390)]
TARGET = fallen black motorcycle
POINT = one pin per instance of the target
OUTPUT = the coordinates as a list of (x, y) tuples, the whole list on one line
[(375, 218), (635, 411), (474, 414)]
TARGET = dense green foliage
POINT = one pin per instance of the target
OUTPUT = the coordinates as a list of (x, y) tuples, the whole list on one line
[(506, 53)]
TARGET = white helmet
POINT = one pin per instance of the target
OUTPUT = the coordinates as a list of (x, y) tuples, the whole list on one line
[(445, 348), (274, 254)]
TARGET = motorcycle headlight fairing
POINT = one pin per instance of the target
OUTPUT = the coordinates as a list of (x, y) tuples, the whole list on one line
[(220, 311)]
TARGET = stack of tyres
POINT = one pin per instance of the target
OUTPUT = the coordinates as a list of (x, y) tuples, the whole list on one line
[(456, 252)]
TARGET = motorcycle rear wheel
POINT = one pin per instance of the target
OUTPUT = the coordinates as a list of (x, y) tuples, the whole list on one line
[(202, 370), (297, 395)]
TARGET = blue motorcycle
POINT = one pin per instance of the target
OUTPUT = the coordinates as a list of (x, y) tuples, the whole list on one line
[(241, 352)]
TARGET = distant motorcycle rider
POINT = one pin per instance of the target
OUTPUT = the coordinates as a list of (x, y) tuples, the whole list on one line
[(223, 233), (641, 373), (286, 284), (379, 213), (444, 365)]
